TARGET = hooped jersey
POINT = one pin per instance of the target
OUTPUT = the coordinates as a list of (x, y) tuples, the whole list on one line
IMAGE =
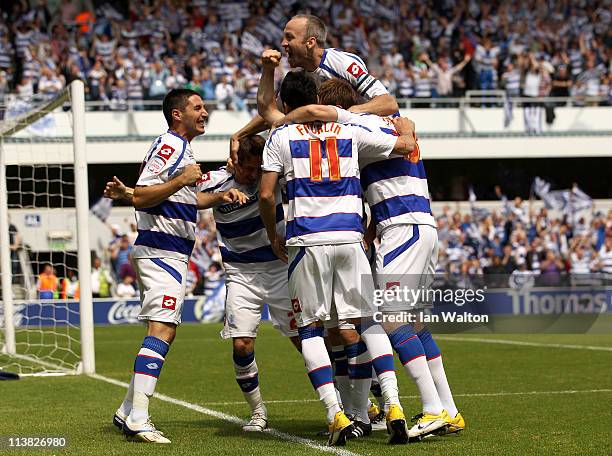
[(344, 65), (245, 246), (396, 189), (167, 230), (320, 164)]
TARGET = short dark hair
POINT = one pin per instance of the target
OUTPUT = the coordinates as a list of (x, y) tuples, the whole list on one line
[(298, 89), (176, 99), (337, 92), (315, 27), (251, 146)]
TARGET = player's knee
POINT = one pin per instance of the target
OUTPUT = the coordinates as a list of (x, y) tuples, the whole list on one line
[(349, 336), (162, 330), (244, 345), (418, 326), (297, 343), (334, 337)]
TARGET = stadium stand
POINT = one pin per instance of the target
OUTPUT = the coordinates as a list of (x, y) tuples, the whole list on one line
[(418, 49)]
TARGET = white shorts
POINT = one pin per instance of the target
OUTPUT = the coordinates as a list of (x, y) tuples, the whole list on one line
[(162, 288), (322, 277), (244, 302), (406, 258)]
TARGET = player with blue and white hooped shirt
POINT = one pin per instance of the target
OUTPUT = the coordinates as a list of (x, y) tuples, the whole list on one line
[(304, 38), (254, 274), (167, 197), (329, 275), (398, 196)]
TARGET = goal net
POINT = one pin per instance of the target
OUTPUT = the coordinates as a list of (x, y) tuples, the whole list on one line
[(46, 324)]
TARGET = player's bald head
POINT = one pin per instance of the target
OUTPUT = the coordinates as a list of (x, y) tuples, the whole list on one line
[(312, 26), (337, 92)]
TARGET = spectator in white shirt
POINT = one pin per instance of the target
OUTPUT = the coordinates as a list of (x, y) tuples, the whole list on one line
[(126, 288), (445, 72), (224, 93), (50, 83)]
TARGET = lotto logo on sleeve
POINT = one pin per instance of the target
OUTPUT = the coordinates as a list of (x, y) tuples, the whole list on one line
[(295, 304), (356, 70), (165, 152), (169, 302), (205, 178)]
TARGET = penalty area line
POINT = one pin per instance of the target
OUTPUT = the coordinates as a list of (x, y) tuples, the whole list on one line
[(234, 419)]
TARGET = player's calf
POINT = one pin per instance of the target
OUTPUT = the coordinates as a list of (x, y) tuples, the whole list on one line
[(247, 377)]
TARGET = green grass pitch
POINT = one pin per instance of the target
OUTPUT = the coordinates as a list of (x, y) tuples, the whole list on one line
[(567, 410)]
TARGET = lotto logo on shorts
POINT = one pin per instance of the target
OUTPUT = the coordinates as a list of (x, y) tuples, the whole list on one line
[(390, 285), (169, 302), (355, 70), (295, 304)]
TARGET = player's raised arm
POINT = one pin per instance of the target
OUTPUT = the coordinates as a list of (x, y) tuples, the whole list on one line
[(381, 105), (373, 143), (309, 113), (266, 102), (149, 196)]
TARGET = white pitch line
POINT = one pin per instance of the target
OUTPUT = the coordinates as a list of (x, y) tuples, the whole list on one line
[(524, 343), (501, 393), (234, 419)]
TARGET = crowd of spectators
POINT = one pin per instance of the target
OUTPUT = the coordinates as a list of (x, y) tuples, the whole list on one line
[(120, 280), (514, 247), (140, 49), (518, 246)]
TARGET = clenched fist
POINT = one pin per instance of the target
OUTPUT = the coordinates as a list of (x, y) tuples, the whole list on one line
[(191, 175), (270, 58)]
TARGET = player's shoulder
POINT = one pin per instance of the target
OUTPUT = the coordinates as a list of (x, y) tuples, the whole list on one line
[(167, 145), (335, 53), (173, 139), (216, 180), (280, 132), (344, 62)]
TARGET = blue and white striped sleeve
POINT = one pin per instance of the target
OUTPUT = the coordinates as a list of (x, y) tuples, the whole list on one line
[(212, 181), (161, 159), (350, 67)]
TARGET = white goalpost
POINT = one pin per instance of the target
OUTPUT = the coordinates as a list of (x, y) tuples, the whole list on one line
[(46, 321)]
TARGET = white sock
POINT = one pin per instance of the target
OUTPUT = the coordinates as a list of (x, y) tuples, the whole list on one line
[(319, 370), (147, 362), (247, 377), (126, 405), (419, 371), (360, 378), (439, 376), (381, 352)]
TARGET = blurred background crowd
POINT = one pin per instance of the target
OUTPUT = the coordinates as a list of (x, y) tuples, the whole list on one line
[(516, 246), (419, 49), (139, 50)]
